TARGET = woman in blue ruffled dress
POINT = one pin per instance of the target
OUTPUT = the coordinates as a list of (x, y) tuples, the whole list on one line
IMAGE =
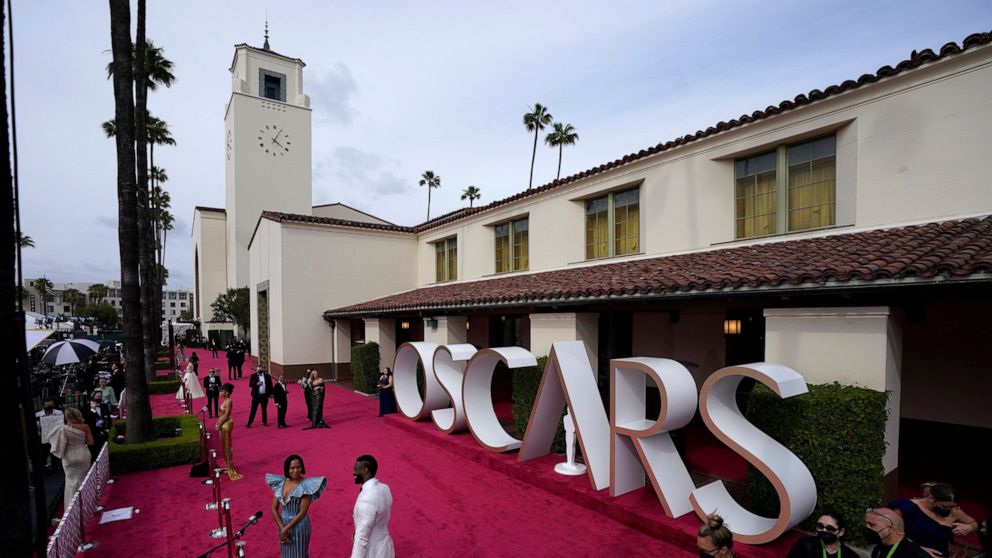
[(294, 494)]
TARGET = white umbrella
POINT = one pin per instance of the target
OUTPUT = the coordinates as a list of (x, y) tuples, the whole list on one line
[(89, 343), (67, 352)]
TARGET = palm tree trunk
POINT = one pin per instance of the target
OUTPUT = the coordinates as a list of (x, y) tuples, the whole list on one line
[(157, 281), (139, 410), (429, 188), (560, 148), (23, 461), (145, 246), (533, 157)]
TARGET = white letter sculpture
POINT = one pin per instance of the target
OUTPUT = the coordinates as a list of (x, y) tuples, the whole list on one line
[(569, 377), (477, 395), (449, 365), (790, 477), (569, 466), (639, 444), (405, 380)]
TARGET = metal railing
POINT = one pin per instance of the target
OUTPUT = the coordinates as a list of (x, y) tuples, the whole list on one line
[(70, 536)]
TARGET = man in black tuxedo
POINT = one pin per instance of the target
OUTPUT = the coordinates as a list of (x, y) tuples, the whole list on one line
[(261, 390), (97, 416), (279, 396), (239, 358), (231, 368), (211, 385)]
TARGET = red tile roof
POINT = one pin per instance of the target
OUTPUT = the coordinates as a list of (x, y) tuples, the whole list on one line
[(932, 252), (280, 217), (915, 60)]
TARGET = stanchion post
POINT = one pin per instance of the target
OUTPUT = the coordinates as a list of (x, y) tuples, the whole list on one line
[(230, 531)]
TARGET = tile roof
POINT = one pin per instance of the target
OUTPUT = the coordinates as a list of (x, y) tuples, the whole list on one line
[(280, 217), (915, 60), (934, 252)]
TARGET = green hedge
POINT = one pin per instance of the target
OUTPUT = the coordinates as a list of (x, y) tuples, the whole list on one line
[(167, 450), (163, 386), (365, 367), (525, 384), (839, 433), (162, 365)]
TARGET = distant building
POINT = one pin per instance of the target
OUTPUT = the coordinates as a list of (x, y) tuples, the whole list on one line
[(174, 301)]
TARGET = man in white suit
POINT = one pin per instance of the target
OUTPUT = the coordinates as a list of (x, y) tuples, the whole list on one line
[(375, 501)]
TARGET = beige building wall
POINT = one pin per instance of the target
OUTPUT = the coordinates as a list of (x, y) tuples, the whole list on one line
[(902, 145), (209, 261), (318, 268)]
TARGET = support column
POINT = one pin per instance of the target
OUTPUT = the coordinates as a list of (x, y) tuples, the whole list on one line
[(851, 346), (341, 349), (448, 331), (545, 329), (383, 332)]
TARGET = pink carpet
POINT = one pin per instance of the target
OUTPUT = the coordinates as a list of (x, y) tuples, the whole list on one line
[(445, 504)]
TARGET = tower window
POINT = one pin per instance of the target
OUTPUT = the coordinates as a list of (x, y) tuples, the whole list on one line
[(271, 85)]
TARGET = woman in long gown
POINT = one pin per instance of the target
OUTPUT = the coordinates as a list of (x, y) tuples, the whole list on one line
[(387, 399), (192, 383), (294, 494), (317, 391), (69, 443), (224, 425)]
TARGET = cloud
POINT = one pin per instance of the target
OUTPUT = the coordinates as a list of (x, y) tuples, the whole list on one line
[(109, 222), (368, 172), (332, 95)]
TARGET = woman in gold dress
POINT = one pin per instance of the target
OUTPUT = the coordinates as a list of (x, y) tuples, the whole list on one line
[(224, 425)]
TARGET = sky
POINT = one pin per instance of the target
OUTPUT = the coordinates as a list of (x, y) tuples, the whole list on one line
[(398, 88)]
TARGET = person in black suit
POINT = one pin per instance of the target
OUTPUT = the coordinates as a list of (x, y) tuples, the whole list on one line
[(97, 416), (261, 390), (279, 396), (239, 358), (231, 350), (211, 385)]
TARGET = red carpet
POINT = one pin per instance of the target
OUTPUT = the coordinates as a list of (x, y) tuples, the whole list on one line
[(445, 505)]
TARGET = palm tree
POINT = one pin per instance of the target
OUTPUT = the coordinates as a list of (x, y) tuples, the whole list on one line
[(97, 293), (158, 69), (25, 241), (73, 298), (42, 285), (471, 194), (432, 181), (139, 409), (535, 121), (562, 135)]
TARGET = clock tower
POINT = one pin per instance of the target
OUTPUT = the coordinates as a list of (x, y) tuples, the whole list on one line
[(267, 126)]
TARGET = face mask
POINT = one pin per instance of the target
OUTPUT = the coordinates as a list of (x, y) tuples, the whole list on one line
[(871, 535), (942, 512), (704, 554), (827, 538), (358, 479)]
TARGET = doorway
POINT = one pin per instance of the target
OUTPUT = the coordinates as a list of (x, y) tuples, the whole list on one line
[(263, 328)]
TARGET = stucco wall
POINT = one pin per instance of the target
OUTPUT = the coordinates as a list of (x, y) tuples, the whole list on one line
[(210, 255), (323, 268), (909, 149), (264, 257)]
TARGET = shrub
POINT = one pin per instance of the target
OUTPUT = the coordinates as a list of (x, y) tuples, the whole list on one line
[(166, 450), (839, 433), (162, 365), (365, 367), (163, 386), (525, 384)]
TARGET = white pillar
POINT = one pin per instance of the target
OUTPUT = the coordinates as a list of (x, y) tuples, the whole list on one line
[(341, 344), (851, 346), (546, 329), (383, 332), (449, 330)]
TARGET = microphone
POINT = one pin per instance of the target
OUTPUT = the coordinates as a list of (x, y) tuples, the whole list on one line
[(254, 519), (204, 409)]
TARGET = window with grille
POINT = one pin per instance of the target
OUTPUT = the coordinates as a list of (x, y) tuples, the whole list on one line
[(613, 224), (512, 245), (790, 189), (446, 260)]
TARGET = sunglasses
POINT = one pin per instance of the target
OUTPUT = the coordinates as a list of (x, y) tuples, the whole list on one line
[(827, 528)]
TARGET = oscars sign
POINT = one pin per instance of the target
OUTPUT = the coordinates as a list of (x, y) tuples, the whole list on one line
[(626, 449)]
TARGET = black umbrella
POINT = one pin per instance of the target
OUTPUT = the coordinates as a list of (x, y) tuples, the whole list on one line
[(68, 352)]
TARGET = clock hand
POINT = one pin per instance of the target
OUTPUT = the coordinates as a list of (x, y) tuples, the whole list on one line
[(277, 143)]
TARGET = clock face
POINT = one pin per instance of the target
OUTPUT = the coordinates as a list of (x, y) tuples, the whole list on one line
[(273, 140), (230, 145)]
